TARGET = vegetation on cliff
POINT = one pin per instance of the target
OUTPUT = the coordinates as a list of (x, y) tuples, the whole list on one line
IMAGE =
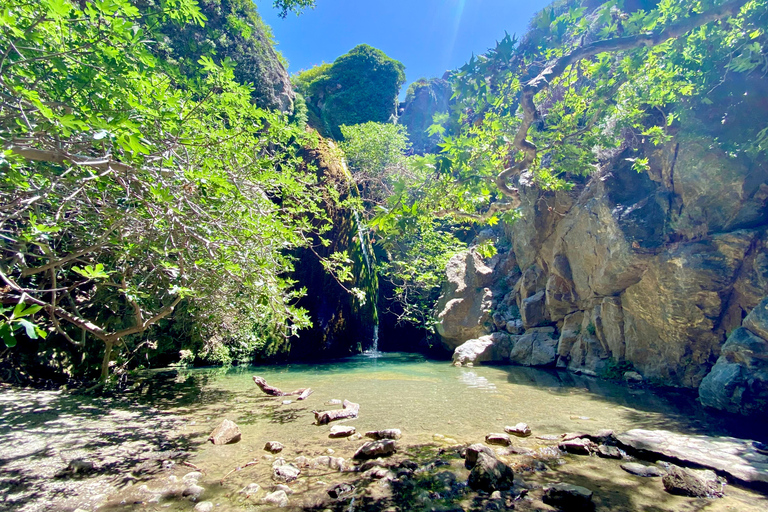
[(359, 86)]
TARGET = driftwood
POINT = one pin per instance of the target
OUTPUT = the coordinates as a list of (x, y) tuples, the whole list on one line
[(273, 391), (248, 464), (350, 410)]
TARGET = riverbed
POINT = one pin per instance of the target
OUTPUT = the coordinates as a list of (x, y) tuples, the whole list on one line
[(142, 443)]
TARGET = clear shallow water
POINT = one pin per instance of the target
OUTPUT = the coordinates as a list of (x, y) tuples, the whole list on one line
[(434, 404)]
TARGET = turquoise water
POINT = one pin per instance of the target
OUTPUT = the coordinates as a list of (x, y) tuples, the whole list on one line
[(433, 403)]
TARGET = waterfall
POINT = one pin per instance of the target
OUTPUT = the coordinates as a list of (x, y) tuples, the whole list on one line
[(361, 234)]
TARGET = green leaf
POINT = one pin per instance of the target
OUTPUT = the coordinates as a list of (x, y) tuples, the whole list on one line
[(7, 334), (29, 327)]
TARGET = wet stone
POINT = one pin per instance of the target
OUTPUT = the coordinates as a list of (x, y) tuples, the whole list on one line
[(390, 433), (250, 489), (472, 451), (578, 446), (569, 497), (519, 430), (277, 498), (227, 432), (608, 452), (340, 490), (638, 469), (193, 492), (499, 439), (204, 506), (490, 474), (342, 431), (285, 473), (273, 447), (697, 484), (375, 449)]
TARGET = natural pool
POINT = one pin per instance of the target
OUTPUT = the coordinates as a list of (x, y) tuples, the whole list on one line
[(434, 404)]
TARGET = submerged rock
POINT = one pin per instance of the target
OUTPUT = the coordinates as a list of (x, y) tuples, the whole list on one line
[(608, 452), (375, 449), (277, 498), (204, 506), (390, 433), (472, 451), (581, 446), (638, 469), (340, 490), (490, 474), (342, 431), (519, 430), (273, 447), (737, 458), (227, 432), (500, 439), (697, 484), (569, 497), (193, 491), (285, 473)]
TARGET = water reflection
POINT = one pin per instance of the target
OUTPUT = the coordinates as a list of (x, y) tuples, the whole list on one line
[(473, 380)]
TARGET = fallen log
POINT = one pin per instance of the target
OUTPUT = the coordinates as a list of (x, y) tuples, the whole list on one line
[(273, 391), (350, 410)]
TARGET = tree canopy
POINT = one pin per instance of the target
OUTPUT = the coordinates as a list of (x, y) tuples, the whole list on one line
[(128, 187)]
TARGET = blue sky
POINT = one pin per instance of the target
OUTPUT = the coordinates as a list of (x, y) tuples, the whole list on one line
[(428, 36)]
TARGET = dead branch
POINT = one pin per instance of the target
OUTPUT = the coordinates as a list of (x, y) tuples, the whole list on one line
[(350, 410), (273, 391)]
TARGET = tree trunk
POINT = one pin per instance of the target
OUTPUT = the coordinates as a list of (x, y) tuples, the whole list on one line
[(105, 361)]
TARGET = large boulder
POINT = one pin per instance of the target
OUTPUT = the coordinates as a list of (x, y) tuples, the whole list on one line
[(739, 380), (537, 347), (490, 474), (465, 304)]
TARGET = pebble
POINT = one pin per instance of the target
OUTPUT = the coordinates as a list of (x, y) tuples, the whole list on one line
[(287, 402), (273, 447), (192, 477), (193, 492), (519, 430), (251, 489), (204, 506), (277, 498), (500, 439), (284, 488)]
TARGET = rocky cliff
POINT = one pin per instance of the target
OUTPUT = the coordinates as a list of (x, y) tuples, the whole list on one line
[(645, 272), (341, 324)]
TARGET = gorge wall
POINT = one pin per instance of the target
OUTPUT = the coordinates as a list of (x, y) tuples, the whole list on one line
[(653, 272)]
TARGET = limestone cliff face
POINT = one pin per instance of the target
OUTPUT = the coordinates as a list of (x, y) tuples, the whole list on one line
[(653, 270), (425, 98)]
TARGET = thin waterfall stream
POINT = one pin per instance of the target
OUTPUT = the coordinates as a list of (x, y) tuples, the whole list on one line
[(363, 236)]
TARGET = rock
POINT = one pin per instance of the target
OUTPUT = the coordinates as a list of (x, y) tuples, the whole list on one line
[(192, 477), (490, 474), (641, 469), (227, 432), (375, 449), (287, 402), (342, 431), (390, 433), (80, 466), (578, 446), (737, 458), (537, 347), (427, 98), (533, 311), (250, 489), (193, 491), (378, 473), (569, 497), (465, 303), (204, 506), (632, 377), (285, 488), (333, 401), (472, 451), (500, 439), (739, 380), (519, 430), (471, 350), (285, 473), (277, 499), (671, 314), (686, 482), (757, 320), (608, 452), (273, 447), (340, 490), (515, 326)]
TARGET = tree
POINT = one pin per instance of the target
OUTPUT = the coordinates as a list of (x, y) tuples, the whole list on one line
[(127, 187), (360, 86), (295, 6), (581, 87), (376, 154)]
